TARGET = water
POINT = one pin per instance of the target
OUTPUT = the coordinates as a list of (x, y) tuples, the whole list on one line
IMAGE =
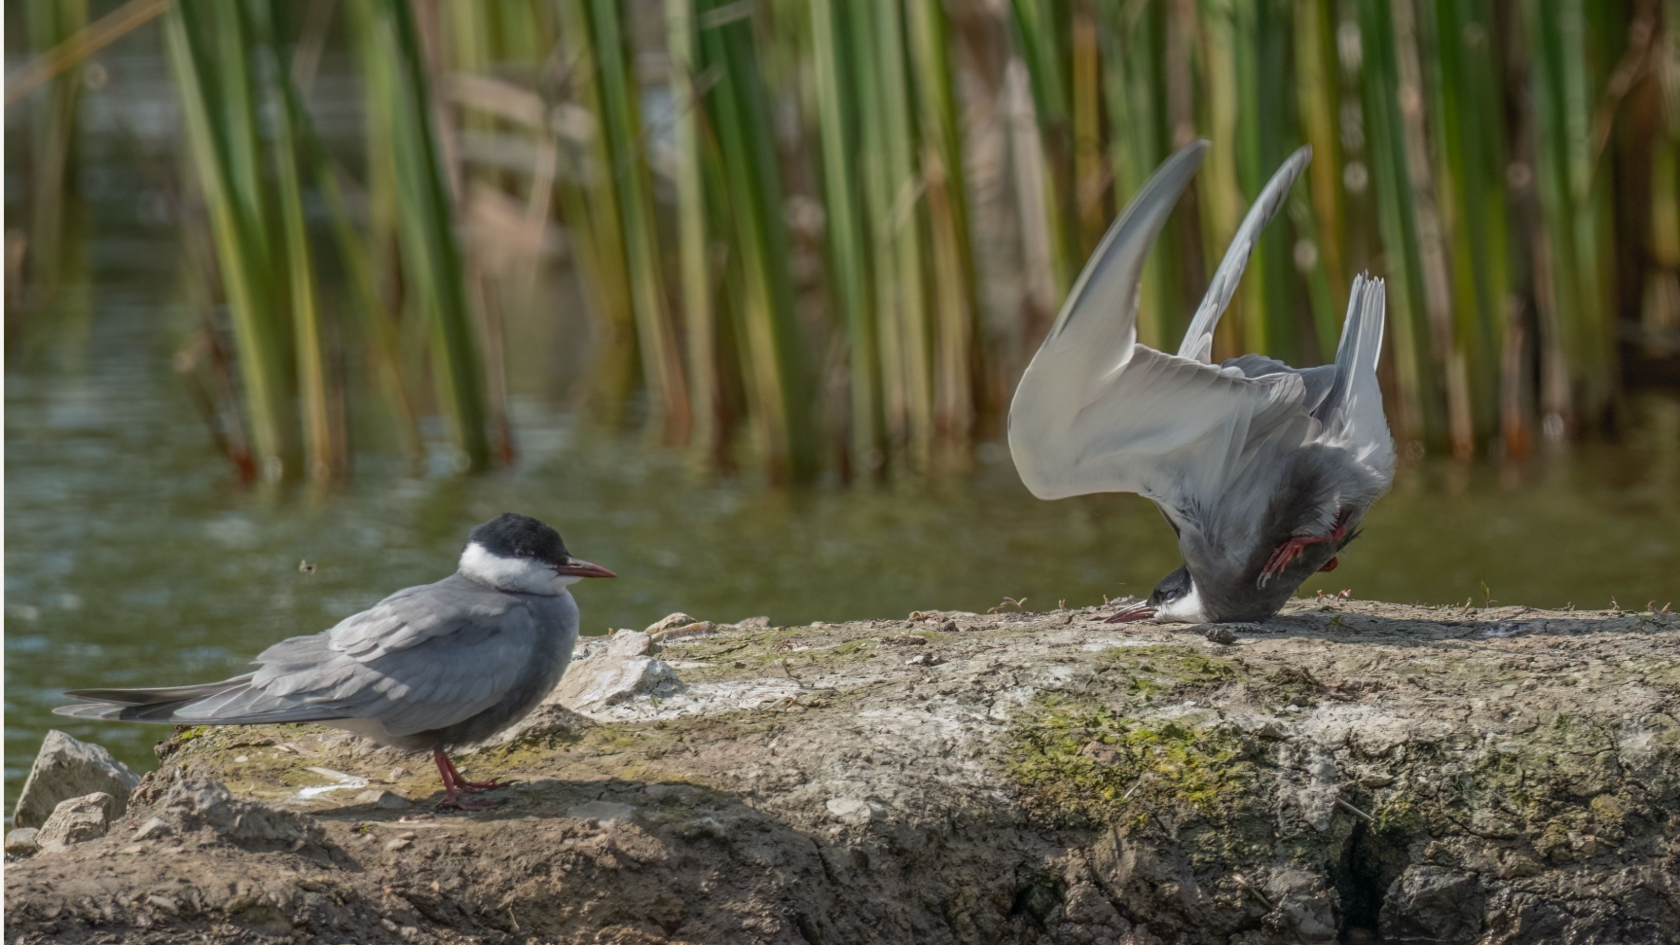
[(133, 558)]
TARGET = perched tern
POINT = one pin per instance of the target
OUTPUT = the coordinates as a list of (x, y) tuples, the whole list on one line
[(430, 668)]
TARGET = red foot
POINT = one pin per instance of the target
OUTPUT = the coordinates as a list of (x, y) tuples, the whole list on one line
[(451, 799), (454, 785), (1294, 547)]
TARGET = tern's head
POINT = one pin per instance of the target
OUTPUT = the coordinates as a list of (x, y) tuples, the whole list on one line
[(1174, 600), (520, 554)]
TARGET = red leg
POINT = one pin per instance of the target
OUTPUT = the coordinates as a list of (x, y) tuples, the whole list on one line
[(1294, 547), (471, 787), (451, 781)]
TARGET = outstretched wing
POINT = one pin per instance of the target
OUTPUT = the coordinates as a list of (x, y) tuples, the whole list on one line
[(1097, 412), (1198, 341)]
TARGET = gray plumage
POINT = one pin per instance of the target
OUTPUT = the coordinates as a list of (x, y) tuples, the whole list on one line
[(434, 667), (1247, 460), (437, 666)]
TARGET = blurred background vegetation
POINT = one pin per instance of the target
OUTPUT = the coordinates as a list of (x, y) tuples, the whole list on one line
[(826, 235)]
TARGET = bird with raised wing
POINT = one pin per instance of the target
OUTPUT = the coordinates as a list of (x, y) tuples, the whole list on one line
[(1264, 471), (429, 668)]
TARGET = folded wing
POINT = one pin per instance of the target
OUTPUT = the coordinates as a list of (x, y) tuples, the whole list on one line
[(398, 663)]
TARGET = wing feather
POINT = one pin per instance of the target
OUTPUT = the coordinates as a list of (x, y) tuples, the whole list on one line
[(1198, 341), (1097, 412)]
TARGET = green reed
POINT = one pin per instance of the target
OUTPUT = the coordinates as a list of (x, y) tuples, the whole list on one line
[(1463, 148)]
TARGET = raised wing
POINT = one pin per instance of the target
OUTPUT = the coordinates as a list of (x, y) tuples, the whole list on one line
[(1097, 412), (1352, 412), (1198, 341)]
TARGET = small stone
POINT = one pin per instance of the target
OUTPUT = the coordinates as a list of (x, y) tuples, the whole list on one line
[(753, 623), (699, 628), (242, 759), (397, 843), (854, 811), (165, 903), (21, 842), (152, 829), (77, 820), (67, 768), (602, 812), (198, 804), (671, 622), (385, 800), (1222, 635), (623, 672), (906, 640), (923, 659), (398, 773), (626, 644)]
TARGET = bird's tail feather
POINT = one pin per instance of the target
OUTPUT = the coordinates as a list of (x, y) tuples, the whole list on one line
[(229, 702)]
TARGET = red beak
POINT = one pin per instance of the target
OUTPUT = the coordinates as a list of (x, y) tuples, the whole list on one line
[(1137, 611), (577, 567)]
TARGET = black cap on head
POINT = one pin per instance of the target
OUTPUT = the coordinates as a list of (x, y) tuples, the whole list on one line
[(520, 536), (1171, 588)]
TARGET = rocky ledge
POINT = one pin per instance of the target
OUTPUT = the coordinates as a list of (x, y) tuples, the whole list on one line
[(1347, 771)]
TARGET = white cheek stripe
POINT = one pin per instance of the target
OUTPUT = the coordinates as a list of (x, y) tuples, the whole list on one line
[(509, 574), (1187, 609)]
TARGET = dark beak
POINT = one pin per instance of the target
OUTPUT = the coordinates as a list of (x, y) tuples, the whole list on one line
[(1137, 611), (577, 567)]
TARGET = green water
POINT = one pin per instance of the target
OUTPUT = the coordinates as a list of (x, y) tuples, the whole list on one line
[(133, 558)]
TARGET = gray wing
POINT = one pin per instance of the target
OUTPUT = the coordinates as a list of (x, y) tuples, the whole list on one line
[(1098, 412), (423, 658), (1352, 411), (1198, 340)]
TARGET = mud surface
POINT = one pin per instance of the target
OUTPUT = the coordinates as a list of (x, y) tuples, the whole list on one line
[(1348, 771)]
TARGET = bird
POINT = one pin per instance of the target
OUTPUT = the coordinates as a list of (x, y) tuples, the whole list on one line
[(1263, 471), (430, 668)]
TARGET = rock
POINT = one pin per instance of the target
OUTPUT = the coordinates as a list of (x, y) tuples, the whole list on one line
[(1433, 904), (1045, 785), (628, 643), (699, 628), (154, 828), (1223, 635), (385, 800), (854, 811), (671, 621), (21, 842), (77, 820), (623, 672), (398, 773), (550, 718), (397, 843), (67, 768), (753, 623), (194, 804), (603, 812)]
